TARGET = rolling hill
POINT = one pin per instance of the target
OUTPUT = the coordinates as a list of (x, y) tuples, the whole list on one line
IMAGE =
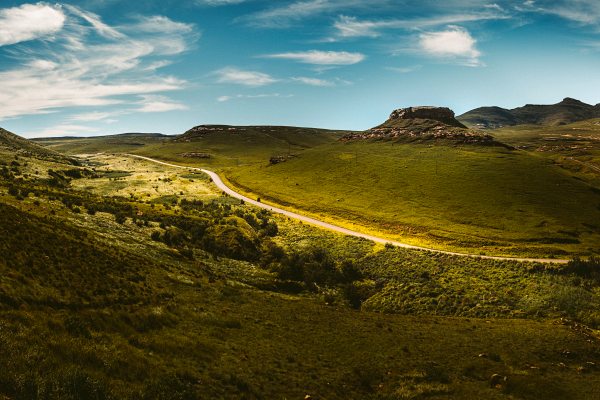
[(131, 297), (567, 111), (20, 146), (441, 192)]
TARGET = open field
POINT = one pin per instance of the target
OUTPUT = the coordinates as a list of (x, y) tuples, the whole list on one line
[(95, 307), (473, 199), (575, 147), (487, 200)]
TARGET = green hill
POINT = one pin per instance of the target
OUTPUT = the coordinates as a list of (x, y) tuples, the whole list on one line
[(143, 297), (488, 199), (476, 199), (124, 142), (9, 142), (567, 111)]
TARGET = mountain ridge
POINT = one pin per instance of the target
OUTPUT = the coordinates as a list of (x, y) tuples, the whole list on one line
[(567, 111)]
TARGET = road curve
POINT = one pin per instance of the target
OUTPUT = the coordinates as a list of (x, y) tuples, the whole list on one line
[(219, 183)]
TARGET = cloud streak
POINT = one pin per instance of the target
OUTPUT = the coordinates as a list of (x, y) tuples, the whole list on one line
[(79, 70), (318, 57), (283, 16), (352, 27), (243, 77)]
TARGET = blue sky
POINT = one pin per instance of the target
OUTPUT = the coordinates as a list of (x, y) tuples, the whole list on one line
[(95, 67)]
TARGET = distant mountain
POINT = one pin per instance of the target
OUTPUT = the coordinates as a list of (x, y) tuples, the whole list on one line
[(423, 123), (143, 135), (21, 146), (567, 111)]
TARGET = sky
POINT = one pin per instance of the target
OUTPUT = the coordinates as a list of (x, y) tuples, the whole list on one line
[(97, 67)]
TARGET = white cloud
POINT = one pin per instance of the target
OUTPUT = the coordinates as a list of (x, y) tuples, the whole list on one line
[(351, 27), (96, 22), (28, 22), (586, 12), (404, 70), (313, 81), (219, 2), (242, 77), (321, 57), (284, 15), (63, 130), (222, 99), (454, 43), (77, 70), (93, 116), (153, 104)]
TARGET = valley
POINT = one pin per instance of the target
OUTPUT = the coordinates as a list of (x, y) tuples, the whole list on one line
[(160, 276)]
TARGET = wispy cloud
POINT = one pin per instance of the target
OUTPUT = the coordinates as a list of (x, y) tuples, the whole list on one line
[(64, 130), (78, 69), (313, 81), (454, 43), (321, 57), (352, 27), (94, 116), (223, 99), (29, 22), (153, 104), (586, 12), (95, 21), (219, 2), (404, 70), (282, 16), (244, 77)]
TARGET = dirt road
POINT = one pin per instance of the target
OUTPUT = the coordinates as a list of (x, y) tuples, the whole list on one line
[(219, 183)]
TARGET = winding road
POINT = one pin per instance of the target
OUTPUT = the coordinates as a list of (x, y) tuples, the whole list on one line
[(219, 183)]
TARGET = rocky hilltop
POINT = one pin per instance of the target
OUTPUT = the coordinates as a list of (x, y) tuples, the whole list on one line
[(441, 114), (423, 123), (569, 110)]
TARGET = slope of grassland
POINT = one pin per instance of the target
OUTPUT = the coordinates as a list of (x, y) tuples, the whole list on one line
[(97, 144), (473, 198), (93, 307), (490, 200), (221, 145), (18, 145)]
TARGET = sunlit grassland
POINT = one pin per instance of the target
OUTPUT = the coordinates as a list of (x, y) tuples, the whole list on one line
[(488, 200), (474, 199), (93, 308)]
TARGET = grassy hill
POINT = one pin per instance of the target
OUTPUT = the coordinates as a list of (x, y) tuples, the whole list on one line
[(9, 142), (489, 200), (125, 142), (567, 111), (120, 283), (440, 194)]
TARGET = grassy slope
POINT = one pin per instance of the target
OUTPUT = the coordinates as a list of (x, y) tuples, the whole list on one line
[(469, 199), (169, 332), (460, 198)]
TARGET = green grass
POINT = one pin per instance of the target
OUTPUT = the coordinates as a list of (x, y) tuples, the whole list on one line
[(93, 308), (471, 199), (474, 199)]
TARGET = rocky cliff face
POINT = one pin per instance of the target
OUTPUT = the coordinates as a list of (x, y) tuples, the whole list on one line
[(440, 114), (419, 124)]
